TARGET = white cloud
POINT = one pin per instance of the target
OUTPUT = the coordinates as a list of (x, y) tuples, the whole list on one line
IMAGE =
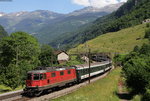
[(82, 2), (123, 0), (97, 3)]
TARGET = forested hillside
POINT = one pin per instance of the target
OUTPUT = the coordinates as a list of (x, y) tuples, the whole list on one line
[(3, 33), (130, 14)]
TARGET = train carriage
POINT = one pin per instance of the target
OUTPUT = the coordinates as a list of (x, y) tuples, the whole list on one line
[(95, 69)]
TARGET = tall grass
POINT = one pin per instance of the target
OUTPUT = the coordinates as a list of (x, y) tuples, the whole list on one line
[(122, 41), (4, 89)]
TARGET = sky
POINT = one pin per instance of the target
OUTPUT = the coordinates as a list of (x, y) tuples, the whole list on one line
[(59, 6)]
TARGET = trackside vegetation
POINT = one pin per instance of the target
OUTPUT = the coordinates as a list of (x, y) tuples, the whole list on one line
[(101, 90), (136, 70), (20, 53)]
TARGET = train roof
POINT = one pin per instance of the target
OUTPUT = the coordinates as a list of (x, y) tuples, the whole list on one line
[(82, 66), (58, 68), (50, 69), (37, 71)]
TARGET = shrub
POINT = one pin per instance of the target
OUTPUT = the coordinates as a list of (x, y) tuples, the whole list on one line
[(146, 96), (147, 33)]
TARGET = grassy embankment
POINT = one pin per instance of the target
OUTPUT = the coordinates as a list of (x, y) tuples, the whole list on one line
[(4, 89), (122, 41), (101, 90)]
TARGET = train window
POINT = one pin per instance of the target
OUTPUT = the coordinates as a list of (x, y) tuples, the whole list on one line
[(61, 73), (44, 76), (53, 74), (82, 71), (29, 77), (69, 72), (36, 77), (41, 76)]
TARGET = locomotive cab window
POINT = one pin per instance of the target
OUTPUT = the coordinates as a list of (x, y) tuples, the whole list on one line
[(42, 76), (61, 73), (29, 77), (36, 77)]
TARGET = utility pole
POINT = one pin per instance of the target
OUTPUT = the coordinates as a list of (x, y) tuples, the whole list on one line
[(89, 56)]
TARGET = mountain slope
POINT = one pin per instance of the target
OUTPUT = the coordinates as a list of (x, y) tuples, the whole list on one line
[(72, 22), (122, 41), (131, 13), (3, 33)]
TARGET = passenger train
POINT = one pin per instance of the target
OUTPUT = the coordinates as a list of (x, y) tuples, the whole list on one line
[(54, 77)]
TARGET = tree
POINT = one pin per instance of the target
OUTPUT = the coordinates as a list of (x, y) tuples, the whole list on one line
[(118, 59), (47, 56), (146, 96), (145, 49), (20, 50), (136, 72), (136, 48), (10, 76)]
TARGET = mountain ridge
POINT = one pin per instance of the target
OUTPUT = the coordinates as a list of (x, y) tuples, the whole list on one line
[(47, 25), (132, 13)]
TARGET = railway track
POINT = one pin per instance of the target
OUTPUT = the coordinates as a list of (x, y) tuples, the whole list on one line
[(52, 94), (9, 95)]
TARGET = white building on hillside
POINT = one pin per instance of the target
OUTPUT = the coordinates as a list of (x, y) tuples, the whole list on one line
[(62, 57)]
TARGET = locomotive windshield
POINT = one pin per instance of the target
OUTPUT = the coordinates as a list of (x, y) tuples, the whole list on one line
[(36, 77), (29, 77)]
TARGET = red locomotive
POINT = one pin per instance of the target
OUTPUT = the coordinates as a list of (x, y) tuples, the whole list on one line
[(39, 80), (54, 77)]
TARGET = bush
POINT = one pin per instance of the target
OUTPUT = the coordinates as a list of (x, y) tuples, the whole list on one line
[(118, 59), (147, 33), (146, 96), (136, 72), (148, 25), (136, 69)]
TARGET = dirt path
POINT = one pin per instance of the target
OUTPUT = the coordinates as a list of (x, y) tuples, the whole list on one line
[(124, 96)]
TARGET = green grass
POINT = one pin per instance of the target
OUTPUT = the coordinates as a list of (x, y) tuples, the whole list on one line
[(122, 41), (137, 98), (74, 60), (4, 89), (101, 90)]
